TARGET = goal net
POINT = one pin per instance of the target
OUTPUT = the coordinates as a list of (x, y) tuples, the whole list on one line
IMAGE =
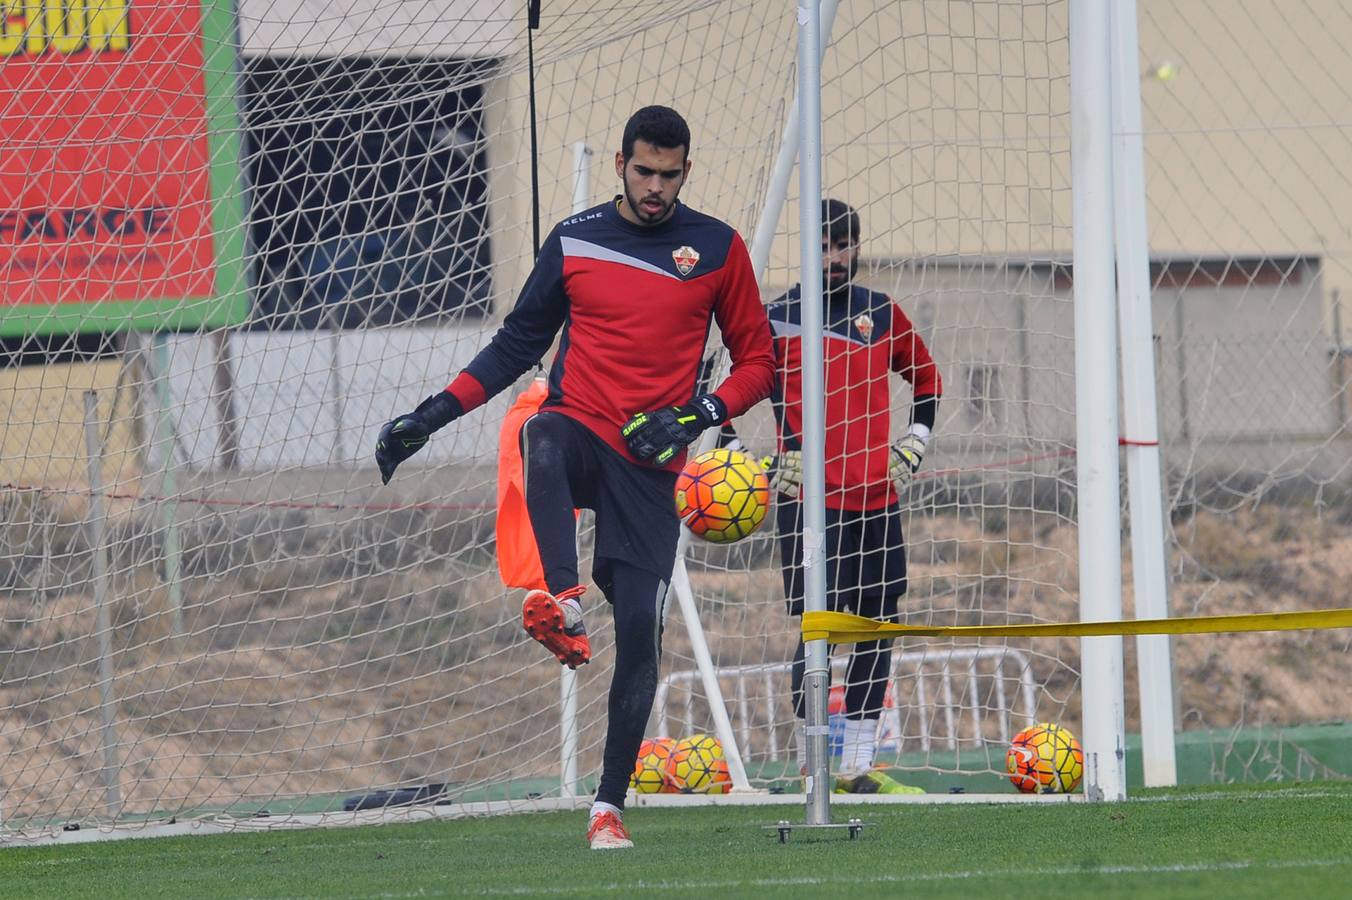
[(218, 285)]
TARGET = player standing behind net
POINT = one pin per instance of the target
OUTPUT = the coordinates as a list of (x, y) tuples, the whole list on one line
[(634, 284), (866, 336)]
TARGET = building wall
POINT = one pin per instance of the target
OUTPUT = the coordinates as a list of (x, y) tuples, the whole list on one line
[(947, 125), (1237, 360)]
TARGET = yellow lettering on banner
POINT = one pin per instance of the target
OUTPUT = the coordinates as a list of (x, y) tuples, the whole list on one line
[(109, 26), (11, 27), (37, 37), (66, 26), (33, 27)]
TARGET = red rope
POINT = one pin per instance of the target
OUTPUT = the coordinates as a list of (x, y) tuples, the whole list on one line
[(1003, 464), (262, 504), (389, 507)]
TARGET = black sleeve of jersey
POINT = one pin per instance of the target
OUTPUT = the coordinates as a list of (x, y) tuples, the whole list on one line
[(727, 435), (924, 411), (528, 331)]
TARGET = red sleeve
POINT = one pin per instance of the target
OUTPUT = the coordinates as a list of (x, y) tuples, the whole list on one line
[(468, 391), (746, 334), (912, 358)]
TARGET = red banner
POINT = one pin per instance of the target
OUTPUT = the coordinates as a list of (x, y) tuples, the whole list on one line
[(105, 189)]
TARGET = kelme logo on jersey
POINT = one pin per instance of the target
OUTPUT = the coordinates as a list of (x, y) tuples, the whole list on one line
[(864, 324), (686, 258)]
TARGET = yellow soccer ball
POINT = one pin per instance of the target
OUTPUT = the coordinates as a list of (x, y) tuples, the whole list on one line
[(650, 769), (1045, 759), (722, 496), (697, 766)]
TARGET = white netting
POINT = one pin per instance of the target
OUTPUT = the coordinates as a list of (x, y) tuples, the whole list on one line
[(947, 128), (1246, 108), (281, 632)]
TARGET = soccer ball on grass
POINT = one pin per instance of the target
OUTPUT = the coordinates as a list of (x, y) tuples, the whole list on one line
[(650, 769), (697, 766), (1045, 759)]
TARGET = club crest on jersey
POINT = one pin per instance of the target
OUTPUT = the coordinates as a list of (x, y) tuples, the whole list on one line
[(686, 258), (864, 324)]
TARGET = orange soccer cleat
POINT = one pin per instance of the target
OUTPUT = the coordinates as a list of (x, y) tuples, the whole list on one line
[(557, 625)]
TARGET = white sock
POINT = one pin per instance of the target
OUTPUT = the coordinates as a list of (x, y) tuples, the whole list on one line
[(800, 740), (572, 612), (861, 742), (598, 807)]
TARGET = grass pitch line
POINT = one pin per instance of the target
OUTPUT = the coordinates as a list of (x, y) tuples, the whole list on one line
[(904, 878), (846, 628), (50, 836), (1241, 795), (765, 798)]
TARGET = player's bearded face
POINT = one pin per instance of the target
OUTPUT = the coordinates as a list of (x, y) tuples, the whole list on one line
[(653, 178), (840, 261)]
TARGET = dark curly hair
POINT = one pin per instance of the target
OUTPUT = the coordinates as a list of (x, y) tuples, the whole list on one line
[(660, 126)]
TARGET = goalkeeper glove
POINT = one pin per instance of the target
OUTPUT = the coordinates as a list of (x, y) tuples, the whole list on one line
[(659, 435), (905, 458), (405, 435), (786, 472)]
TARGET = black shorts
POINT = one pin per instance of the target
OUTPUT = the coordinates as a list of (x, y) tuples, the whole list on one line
[(635, 505), (865, 559)]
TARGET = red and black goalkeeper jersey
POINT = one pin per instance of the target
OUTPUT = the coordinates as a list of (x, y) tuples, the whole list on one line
[(866, 336), (635, 304)]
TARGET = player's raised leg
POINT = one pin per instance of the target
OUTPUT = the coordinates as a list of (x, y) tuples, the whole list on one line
[(555, 457)]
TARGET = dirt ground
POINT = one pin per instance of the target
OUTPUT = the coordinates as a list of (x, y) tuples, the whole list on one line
[(321, 659)]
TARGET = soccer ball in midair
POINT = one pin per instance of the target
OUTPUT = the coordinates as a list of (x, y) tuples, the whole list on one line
[(1045, 759), (697, 766), (722, 496), (650, 769)]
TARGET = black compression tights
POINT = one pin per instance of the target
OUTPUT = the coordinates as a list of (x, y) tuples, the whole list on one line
[(558, 465), (551, 466), (636, 597)]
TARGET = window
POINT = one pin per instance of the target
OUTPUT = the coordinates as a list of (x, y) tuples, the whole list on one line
[(368, 190)]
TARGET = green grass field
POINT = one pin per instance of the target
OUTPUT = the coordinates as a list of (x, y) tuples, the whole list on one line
[(1289, 841)]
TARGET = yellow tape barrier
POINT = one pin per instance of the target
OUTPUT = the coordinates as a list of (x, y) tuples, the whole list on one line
[(844, 628)]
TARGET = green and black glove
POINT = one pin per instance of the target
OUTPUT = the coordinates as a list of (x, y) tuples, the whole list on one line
[(405, 435), (659, 435)]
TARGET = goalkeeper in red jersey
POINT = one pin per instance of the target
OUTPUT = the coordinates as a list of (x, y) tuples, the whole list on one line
[(866, 337), (634, 284)]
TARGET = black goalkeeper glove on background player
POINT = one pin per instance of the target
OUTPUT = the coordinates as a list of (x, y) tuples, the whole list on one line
[(657, 436), (405, 435)]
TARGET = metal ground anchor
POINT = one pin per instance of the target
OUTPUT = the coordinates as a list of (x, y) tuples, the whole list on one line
[(853, 827)]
